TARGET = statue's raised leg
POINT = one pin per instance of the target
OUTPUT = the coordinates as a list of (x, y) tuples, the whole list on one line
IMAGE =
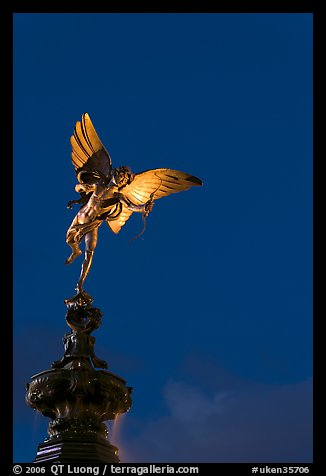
[(73, 243), (90, 245), (76, 251)]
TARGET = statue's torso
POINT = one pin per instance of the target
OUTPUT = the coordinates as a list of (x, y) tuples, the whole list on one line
[(96, 204)]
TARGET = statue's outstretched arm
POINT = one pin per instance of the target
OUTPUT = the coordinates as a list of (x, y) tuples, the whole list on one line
[(143, 208), (83, 200), (85, 190)]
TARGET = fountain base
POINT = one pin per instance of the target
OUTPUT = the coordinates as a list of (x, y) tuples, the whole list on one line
[(77, 448), (78, 398)]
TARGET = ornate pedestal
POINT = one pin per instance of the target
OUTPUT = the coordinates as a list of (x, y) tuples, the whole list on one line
[(76, 397)]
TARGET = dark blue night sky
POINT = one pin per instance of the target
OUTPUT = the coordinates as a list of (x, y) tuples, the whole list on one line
[(208, 316)]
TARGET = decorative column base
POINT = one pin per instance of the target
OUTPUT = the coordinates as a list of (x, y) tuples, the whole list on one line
[(77, 448), (76, 397)]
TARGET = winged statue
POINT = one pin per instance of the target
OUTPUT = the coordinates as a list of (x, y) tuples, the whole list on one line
[(110, 194)]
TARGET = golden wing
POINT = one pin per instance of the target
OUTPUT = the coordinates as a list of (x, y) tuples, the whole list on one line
[(88, 153), (116, 223), (156, 183)]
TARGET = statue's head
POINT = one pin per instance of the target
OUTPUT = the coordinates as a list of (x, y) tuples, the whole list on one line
[(122, 175)]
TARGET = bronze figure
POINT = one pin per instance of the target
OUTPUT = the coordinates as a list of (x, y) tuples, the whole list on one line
[(110, 194)]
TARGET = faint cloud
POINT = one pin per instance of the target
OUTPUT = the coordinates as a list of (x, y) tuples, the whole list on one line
[(188, 403), (270, 423)]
